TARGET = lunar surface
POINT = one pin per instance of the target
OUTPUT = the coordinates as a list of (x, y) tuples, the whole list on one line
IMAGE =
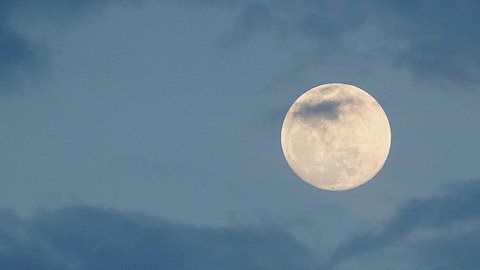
[(336, 137)]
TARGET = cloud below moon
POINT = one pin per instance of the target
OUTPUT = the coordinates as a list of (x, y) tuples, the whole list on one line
[(93, 238), (85, 237), (452, 221)]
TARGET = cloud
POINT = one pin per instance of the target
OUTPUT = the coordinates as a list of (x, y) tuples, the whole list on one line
[(436, 233), (17, 52), (436, 41), (440, 38), (326, 110), (441, 232), (324, 22), (94, 238)]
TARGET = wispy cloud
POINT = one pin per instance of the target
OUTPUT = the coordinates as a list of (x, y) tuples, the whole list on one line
[(435, 41), (93, 238), (441, 38), (18, 53), (440, 233), (328, 109)]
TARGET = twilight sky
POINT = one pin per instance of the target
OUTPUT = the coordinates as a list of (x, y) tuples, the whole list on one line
[(146, 134)]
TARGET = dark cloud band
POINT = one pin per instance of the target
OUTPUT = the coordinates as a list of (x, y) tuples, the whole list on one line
[(93, 238)]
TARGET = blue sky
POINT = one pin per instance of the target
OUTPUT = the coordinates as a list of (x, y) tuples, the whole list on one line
[(146, 134)]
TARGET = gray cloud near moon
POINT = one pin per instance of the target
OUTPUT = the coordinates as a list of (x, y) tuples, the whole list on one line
[(452, 242), (327, 110), (437, 41)]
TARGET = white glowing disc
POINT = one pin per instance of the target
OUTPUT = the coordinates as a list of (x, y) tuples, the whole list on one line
[(336, 137)]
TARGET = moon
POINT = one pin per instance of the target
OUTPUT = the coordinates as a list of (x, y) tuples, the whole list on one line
[(336, 137)]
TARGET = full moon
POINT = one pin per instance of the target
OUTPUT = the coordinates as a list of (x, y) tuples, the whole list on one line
[(336, 137)]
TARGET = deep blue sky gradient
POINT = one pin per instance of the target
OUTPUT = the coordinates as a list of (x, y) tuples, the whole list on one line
[(146, 134)]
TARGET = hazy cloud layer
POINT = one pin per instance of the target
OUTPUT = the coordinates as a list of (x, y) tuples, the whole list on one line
[(436, 41), (17, 52), (441, 38), (437, 233), (93, 238)]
